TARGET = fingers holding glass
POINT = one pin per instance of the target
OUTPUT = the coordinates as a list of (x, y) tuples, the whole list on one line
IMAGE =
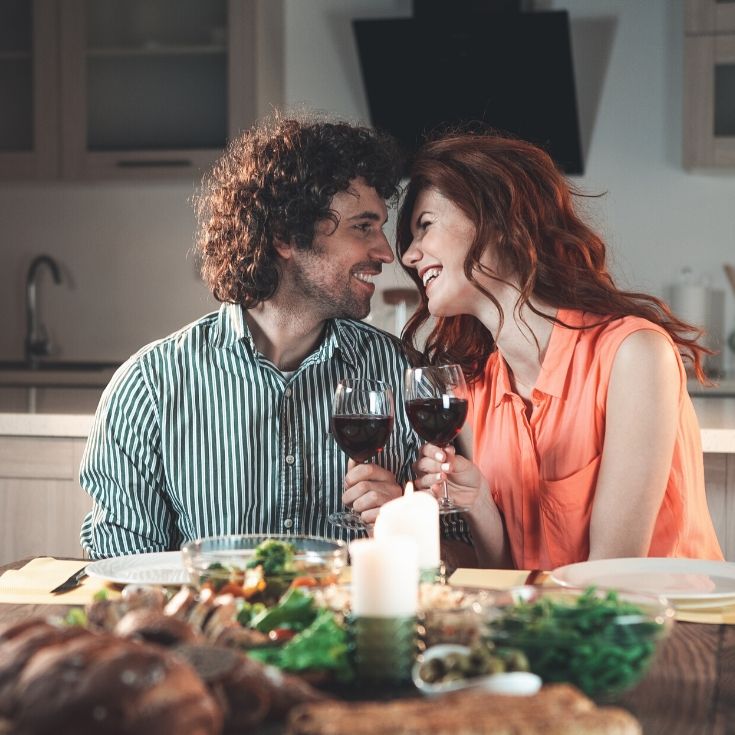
[(436, 404), (362, 421)]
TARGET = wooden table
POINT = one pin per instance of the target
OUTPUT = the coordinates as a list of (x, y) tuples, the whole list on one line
[(690, 689)]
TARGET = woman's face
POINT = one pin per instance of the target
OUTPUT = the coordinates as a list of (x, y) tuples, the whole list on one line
[(442, 237)]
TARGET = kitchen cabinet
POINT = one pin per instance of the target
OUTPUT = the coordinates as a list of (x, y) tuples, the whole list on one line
[(140, 88), (29, 142), (709, 16), (41, 502), (709, 84)]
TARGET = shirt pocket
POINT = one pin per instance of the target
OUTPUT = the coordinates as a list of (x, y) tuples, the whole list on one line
[(566, 507)]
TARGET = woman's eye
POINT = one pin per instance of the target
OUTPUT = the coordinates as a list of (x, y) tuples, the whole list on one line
[(424, 225)]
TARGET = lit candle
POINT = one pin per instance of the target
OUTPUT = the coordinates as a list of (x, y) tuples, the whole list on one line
[(385, 577), (415, 515)]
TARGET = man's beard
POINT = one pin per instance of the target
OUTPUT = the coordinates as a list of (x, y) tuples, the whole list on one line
[(331, 299)]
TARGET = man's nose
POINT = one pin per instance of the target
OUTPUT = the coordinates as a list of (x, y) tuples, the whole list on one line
[(382, 250)]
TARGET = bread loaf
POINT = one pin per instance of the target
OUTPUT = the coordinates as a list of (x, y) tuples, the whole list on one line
[(101, 684), (556, 710)]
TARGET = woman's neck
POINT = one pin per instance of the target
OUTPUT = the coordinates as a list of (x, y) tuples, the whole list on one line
[(523, 338)]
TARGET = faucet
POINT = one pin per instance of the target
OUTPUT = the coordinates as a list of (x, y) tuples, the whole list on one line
[(37, 343)]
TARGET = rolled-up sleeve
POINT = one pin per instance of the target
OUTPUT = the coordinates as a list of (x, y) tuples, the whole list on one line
[(122, 471)]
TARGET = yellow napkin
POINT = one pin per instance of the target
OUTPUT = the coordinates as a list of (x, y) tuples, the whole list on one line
[(713, 616), (495, 579), (32, 584)]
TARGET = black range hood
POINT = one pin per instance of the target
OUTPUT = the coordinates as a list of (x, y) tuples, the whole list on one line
[(511, 70)]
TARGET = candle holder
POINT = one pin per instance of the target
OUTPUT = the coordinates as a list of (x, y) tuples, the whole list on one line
[(433, 575), (384, 650)]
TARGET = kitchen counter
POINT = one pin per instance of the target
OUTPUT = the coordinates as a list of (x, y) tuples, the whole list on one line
[(716, 419)]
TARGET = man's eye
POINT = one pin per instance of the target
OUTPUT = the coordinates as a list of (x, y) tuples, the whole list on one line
[(364, 227)]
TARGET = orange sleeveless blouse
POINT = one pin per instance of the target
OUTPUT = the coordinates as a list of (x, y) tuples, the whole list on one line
[(542, 471)]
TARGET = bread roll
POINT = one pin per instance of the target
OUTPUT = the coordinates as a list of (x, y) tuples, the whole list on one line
[(101, 684), (557, 709)]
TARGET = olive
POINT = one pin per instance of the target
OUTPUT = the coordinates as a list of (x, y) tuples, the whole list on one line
[(432, 670), (495, 665), (454, 661), (516, 661)]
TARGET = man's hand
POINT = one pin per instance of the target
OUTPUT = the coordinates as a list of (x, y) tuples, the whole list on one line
[(367, 487)]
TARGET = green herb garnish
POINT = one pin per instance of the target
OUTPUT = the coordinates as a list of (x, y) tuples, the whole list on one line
[(276, 557), (597, 642), (323, 645), (295, 610)]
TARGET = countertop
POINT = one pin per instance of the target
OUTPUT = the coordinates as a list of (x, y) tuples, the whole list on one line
[(716, 419)]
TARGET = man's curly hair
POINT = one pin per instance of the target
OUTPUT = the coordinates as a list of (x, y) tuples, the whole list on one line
[(277, 181)]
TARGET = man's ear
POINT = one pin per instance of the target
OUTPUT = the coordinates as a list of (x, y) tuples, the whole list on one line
[(284, 249)]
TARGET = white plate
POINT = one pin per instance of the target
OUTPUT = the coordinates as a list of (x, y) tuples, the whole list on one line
[(677, 579), (163, 567)]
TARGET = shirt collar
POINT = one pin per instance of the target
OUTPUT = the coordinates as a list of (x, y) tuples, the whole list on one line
[(231, 328), (552, 379)]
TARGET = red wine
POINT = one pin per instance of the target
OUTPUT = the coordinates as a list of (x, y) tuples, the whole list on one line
[(360, 437), (437, 420)]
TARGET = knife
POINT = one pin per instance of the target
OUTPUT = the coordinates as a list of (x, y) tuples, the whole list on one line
[(72, 583)]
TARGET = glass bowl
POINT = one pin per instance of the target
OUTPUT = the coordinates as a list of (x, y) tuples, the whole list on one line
[(453, 615), (263, 567), (603, 642)]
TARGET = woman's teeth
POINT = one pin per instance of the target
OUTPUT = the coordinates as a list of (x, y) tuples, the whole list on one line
[(430, 275)]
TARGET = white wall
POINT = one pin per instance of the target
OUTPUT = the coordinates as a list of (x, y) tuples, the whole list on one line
[(125, 246)]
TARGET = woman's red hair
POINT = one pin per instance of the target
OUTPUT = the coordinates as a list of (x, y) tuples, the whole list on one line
[(517, 199)]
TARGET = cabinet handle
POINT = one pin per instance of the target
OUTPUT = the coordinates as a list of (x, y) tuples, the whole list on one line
[(170, 163)]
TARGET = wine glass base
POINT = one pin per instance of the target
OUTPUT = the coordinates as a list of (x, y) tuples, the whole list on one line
[(346, 519), (446, 509)]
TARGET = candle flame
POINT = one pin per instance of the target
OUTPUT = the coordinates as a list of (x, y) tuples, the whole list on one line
[(409, 488)]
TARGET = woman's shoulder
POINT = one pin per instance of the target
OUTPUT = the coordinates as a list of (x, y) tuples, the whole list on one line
[(606, 331)]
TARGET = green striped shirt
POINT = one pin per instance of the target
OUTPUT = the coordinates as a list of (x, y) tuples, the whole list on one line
[(198, 434)]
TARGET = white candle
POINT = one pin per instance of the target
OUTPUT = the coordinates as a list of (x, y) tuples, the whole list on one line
[(385, 577), (415, 515)]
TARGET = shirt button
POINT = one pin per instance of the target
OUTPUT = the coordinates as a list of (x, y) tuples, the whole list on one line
[(290, 459), (287, 393), (288, 523)]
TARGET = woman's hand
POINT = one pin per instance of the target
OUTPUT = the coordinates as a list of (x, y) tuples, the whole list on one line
[(367, 487), (464, 479)]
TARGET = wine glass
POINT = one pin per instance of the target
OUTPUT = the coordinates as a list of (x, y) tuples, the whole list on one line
[(362, 420), (436, 405)]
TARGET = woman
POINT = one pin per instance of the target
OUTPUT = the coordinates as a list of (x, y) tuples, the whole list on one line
[(584, 439)]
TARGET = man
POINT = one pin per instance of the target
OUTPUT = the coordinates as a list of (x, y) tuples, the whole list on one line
[(223, 427)]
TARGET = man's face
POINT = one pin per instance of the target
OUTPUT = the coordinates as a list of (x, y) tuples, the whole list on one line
[(337, 273)]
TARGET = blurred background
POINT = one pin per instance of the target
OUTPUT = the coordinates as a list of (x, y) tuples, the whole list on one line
[(111, 109)]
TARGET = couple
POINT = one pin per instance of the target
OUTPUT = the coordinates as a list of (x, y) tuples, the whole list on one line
[(581, 440)]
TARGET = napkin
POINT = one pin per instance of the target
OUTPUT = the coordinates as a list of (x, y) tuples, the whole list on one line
[(715, 616), (32, 584), (495, 579)]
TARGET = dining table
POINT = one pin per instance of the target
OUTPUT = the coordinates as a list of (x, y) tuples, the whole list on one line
[(689, 689)]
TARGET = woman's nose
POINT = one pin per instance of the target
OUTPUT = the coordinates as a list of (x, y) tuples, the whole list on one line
[(411, 256)]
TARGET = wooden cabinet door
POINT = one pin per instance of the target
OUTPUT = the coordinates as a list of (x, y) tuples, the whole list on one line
[(153, 87), (709, 16), (709, 100), (28, 89)]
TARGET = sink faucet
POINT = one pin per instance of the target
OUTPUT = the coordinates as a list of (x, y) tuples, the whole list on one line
[(37, 343)]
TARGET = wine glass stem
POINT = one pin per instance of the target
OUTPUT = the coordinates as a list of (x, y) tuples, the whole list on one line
[(446, 500)]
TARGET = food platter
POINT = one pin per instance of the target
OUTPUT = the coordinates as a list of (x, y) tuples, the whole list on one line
[(680, 580), (162, 568)]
